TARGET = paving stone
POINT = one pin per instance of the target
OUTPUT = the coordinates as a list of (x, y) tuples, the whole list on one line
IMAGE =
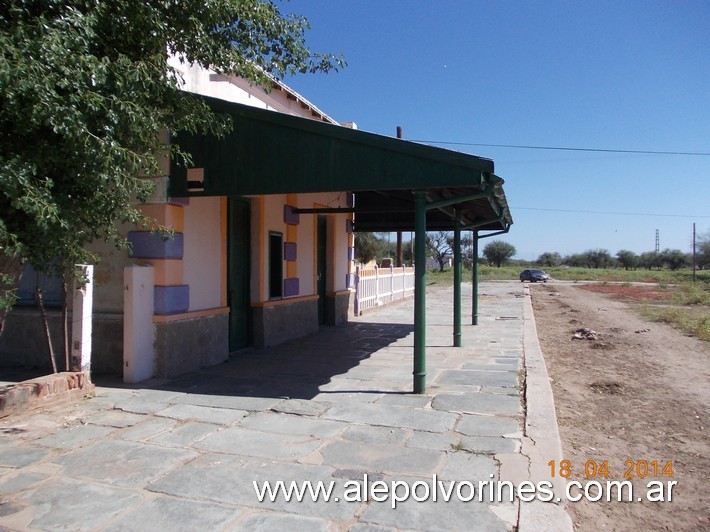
[(371, 528), (138, 405), (392, 416), (227, 401), (230, 479), (432, 440), (115, 418), (511, 391), (478, 378), (21, 456), (478, 403), (237, 440), (466, 466), (405, 399), (149, 428), (380, 458), (475, 425), (20, 482), (8, 508), (278, 521), (487, 364), (73, 437), (185, 434), (220, 416), (489, 444), (300, 407), (434, 516), (375, 435), (349, 415), (294, 425), (122, 463), (66, 504), (166, 513)]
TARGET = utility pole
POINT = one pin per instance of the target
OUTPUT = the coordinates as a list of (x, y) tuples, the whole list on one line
[(694, 253)]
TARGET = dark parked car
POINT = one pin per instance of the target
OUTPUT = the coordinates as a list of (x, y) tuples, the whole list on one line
[(533, 276)]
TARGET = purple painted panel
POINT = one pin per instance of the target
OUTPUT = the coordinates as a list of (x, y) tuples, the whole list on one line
[(290, 217), (349, 280), (185, 201), (147, 245), (290, 249), (291, 287), (171, 299), (350, 199), (351, 253), (349, 226)]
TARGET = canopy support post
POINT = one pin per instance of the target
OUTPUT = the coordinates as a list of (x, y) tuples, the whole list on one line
[(420, 293), (457, 279), (474, 277)]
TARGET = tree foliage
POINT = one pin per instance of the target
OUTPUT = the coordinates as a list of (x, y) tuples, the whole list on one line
[(675, 259), (650, 260), (549, 259), (627, 259), (369, 246), (498, 252), (702, 251), (87, 93)]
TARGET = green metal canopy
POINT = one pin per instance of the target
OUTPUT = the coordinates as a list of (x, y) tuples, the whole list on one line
[(398, 186), (275, 153)]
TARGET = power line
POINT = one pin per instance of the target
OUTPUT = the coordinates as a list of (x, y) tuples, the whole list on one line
[(565, 148), (607, 212)]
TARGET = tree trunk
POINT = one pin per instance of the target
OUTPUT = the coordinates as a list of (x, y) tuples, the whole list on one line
[(10, 273), (48, 338)]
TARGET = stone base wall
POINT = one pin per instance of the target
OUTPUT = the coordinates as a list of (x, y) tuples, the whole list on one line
[(45, 392), (186, 345), (23, 345), (336, 308), (273, 325)]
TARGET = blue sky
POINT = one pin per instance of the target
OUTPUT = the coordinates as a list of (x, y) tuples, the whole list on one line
[(613, 75)]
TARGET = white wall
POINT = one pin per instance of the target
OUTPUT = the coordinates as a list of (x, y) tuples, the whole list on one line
[(233, 89), (203, 254)]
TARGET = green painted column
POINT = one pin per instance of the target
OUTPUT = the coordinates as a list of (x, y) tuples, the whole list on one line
[(420, 293), (474, 278), (457, 279)]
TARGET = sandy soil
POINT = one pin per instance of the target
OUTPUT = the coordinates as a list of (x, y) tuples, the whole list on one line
[(628, 395)]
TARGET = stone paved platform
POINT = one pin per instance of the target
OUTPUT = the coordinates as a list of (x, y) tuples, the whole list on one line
[(334, 407)]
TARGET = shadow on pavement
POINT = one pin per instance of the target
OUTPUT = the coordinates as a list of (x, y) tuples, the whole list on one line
[(295, 369)]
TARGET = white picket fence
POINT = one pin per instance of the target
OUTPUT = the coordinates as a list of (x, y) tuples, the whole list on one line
[(378, 286)]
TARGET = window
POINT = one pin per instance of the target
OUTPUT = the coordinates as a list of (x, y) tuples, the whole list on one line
[(276, 265)]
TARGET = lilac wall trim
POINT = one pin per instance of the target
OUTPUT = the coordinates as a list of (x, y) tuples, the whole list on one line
[(291, 217), (351, 253), (290, 250), (291, 287), (349, 280), (172, 299), (146, 245), (179, 201), (349, 226)]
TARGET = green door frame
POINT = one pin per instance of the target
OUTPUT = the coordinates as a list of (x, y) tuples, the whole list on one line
[(238, 272)]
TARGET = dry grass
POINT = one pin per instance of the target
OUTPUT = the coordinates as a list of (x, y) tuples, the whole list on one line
[(693, 321)]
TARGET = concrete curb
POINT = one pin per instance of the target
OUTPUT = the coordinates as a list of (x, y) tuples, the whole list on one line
[(542, 438)]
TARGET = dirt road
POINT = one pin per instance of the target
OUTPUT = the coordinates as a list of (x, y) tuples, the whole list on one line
[(634, 398)]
